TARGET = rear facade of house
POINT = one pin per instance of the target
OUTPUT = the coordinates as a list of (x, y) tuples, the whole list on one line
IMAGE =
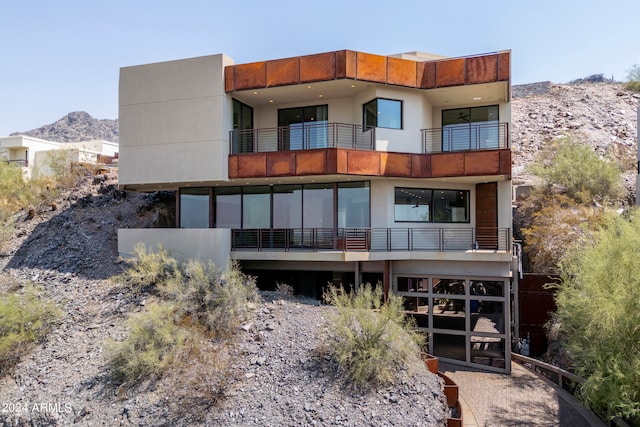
[(339, 168)]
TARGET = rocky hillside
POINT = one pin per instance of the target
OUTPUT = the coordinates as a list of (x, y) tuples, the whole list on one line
[(602, 115), (75, 127)]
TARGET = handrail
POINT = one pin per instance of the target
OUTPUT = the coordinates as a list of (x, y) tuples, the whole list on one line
[(19, 162), (302, 136), (466, 137), (373, 239), (538, 366)]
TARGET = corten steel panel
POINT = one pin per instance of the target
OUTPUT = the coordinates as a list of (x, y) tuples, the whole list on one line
[(233, 167), (421, 165), (482, 69), (450, 72), (332, 160), (447, 164), (346, 64), (281, 163), (428, 80), (282, 72), (504, 68), (228, 78), (320, 67), (372, 68), (341, 161), (311, 162), (250, 76), (401, 72), (395, 164), (505, 162), (482, 163), (363, 162), (252, 165)]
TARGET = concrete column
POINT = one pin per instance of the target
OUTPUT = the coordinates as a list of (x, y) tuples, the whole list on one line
[(356, 276)]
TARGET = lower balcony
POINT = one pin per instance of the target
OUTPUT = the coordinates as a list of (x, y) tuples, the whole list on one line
[(372, 239), (467, 137)]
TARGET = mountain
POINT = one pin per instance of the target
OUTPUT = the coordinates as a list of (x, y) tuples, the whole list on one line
[(75, 127)]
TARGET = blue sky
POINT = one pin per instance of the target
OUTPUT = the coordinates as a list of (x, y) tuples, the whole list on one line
[(62, 56)]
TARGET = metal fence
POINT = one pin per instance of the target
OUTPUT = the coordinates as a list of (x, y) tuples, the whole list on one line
[(466, 137)]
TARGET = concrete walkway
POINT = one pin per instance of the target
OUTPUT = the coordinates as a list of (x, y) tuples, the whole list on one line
[(519, 399)]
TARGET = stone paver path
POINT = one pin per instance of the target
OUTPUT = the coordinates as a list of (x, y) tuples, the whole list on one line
[(519, 399)]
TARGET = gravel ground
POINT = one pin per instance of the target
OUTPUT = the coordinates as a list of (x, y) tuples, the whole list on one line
[(69, 250)]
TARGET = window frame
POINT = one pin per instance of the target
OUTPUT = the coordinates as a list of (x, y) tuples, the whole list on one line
[(431, 204), (365, 122)]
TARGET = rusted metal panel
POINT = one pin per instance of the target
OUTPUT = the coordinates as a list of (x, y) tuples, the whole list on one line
[(401, 72), (252, 165), (313, 162), (482, 163), (505, 162), (447, 164), (332, 161), (372, 68), (250, 76), (342, 161), (233, 166), (363, 162), (395, 164), (482, 69), (229, 82), (450, 72), (282, 163), (504, 66), (346, 64), (420, 165), (320, 67), (282, 72)]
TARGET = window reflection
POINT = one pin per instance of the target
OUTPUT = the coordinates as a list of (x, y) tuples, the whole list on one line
[(194, 207)]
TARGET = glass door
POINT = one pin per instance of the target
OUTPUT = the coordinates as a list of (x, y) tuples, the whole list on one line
[(303, 128)]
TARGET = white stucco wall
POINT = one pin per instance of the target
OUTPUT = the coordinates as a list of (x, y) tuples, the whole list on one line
[(181, 243), (175, 120)]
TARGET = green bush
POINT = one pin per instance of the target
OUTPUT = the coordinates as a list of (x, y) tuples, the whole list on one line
[(151, 345), (633, 79), (372, 341), (25, 318), (598, 305), (577, 171), (150, 270)]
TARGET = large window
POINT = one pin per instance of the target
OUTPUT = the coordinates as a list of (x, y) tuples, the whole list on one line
[(256, 202), (353, 204), (303, 127), (431, 205), (470, 128), (383, 113), (194, 207), (228, 207), (287, 206), (242, 125), (317, 204)]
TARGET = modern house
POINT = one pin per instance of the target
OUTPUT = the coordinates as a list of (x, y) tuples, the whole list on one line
[(339, 167), (33, 154)]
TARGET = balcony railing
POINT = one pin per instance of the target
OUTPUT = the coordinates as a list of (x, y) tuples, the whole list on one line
[(373, 239), (23, 163), (303, 136), (467, 137)]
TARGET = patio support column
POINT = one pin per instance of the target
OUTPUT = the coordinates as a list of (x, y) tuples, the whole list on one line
[(386, 278), (356, 275)]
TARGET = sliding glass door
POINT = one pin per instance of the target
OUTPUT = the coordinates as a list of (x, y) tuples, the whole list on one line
[(304, 128)]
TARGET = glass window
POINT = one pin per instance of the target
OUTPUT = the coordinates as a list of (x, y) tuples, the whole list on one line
[(242, 126), (317, 211), (470, 128), (449, 313), (487, 287), (304, 127), (383, 113), (194, 207), (412, 204), (287, 206), (448, 286), (412, 284), (228, 207), (427, 205), (488, 351), (487, 316), (256, 203), (450, 346), (353, 204)]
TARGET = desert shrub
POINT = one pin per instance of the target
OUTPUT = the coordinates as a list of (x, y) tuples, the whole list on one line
[(633, 79), (25, 318), (555, 227), (149, 270), (598, 307), (152, 343), (372, 341), (577, 171)]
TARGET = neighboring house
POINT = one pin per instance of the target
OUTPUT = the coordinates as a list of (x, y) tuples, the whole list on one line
[(340, 167), (34, 155)]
